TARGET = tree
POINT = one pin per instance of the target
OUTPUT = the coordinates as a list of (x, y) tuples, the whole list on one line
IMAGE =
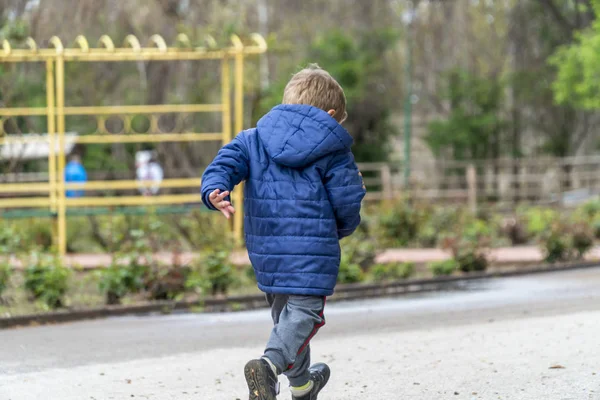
[(474, 126), (578, 69), (537, 30)]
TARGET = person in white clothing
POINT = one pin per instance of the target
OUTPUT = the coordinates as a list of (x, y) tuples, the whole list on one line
[(148, 170)]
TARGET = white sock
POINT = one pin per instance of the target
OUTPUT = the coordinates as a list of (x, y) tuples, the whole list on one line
[(273, 367), (302, 390)]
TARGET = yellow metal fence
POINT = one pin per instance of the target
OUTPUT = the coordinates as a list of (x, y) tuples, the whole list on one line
[(52, 195)]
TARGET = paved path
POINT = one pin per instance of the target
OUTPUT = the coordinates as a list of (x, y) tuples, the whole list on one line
[(502, 255), (515, 338)]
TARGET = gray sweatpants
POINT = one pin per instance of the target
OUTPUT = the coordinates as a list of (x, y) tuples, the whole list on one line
[(297, 319)]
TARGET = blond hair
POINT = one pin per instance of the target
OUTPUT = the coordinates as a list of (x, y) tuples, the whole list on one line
[(314, 86)]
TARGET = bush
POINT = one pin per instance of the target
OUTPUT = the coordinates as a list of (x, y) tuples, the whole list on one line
[(9, 239), (590, 209), (214, 273), (589, 213), (358, 253), (444, 268), (595, 225), (112, 283), (394, 271), (399, 225), (131, 268), (470, 257), (565, 241), (34, 234), (167, 283), (436, 224), (477, 229), (555, 244), (5, 273), (360, 249), (250, 274), (46, 279), (514, 229), (582, 239), (350, 271), (469, 247), (539, 220), (119, 280)]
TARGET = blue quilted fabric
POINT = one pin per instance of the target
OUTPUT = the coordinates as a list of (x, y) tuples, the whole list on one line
[(303, 194)]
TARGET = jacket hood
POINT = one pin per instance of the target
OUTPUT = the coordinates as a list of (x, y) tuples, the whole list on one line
[(296, 135)]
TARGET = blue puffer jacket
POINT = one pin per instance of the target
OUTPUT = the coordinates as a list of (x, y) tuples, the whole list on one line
[(303, 194)]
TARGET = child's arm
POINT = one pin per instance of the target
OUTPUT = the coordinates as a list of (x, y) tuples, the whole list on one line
[(346, 190), (229, 168)]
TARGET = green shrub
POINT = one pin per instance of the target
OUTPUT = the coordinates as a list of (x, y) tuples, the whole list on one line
[(470, 257), (539, 220), (119, 280), (131, 268), (595, 226), (34, 234), (582, 239), (360, 249), (358, 253), (437, 224), (590, 209), (477, 229), (5, 273), (214, 272), (399, 225), (9, 239), (567, 240), (46, 279), (250, 274), (201, 230), (393, 271), (112, 283), (469, 246), (167, 282), (350, 271), (443, 268), (555, 244)]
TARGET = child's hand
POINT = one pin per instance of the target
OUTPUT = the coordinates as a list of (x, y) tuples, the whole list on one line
[(217, 200)]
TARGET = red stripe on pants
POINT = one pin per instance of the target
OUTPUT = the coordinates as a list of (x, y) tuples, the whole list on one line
[(314, 331)]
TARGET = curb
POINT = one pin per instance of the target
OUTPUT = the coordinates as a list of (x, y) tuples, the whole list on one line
[(250, 302)]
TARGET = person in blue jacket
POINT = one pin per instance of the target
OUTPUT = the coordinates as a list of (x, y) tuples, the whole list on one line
[(303, 194), (75, 172)]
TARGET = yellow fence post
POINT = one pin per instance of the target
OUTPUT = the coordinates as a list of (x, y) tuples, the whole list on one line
[(60, 124), (226, 114), (226, 100), (51, 132), (238, 196), (51, 128)]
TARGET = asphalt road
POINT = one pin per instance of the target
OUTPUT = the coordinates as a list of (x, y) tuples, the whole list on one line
[(535, 337)]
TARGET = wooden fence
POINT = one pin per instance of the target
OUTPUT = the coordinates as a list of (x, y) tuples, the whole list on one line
[(559, 181)]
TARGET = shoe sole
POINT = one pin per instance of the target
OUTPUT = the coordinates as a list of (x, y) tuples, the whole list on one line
[(258, 381)]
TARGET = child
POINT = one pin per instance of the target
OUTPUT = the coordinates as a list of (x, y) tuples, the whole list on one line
[(303, 194)]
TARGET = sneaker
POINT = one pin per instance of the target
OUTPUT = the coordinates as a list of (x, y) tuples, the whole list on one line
[(262, 382), (319, 375)]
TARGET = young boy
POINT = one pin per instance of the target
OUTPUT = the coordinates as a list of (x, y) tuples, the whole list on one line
[(303, 194)]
